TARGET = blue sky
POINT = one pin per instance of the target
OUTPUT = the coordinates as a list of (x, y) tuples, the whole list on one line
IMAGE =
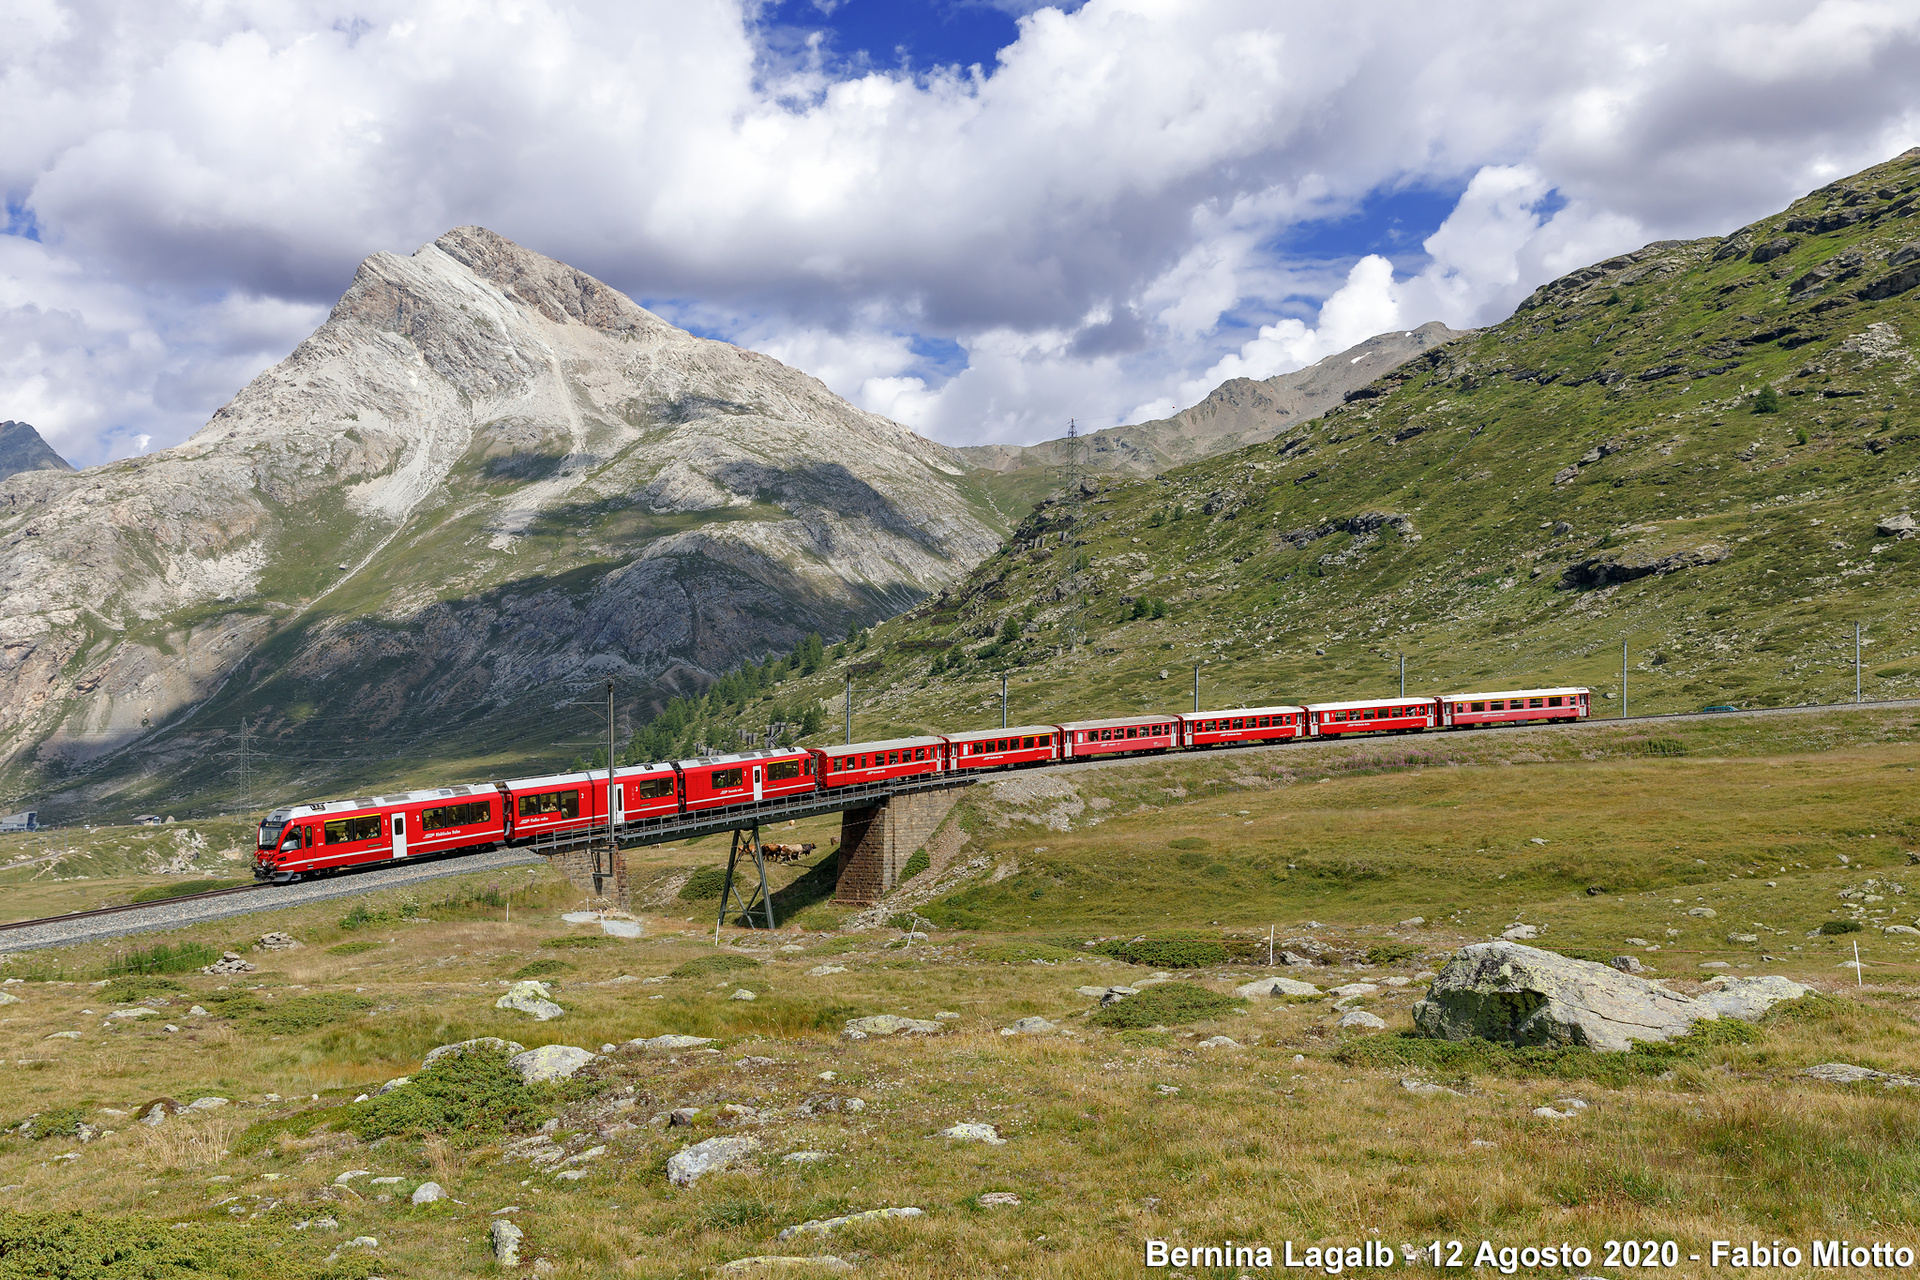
[(1126, 203)]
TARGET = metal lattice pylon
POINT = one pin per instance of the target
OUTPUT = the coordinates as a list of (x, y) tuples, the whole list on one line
[(760, 899)]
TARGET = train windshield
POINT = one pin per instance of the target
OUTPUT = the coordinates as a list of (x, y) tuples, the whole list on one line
[(270, 833)]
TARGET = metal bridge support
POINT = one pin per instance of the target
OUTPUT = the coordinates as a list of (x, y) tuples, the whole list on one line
[(746, 841), (876, 842)]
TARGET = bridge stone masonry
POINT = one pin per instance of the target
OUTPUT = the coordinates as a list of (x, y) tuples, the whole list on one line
[(881, 827)]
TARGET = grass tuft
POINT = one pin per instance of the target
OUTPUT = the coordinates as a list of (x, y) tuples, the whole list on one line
[(1166, 1004), (706, 966)]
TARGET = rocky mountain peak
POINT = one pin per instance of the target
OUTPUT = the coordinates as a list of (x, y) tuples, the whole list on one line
[(22, 449)]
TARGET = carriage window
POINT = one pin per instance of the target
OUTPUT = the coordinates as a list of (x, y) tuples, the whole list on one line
[(1044, 740), (1106, 735), (1553, 702), (1535, 702), (565, 803), (455, 815), (1496, 705), (780, 771), (919, 753), (652, 788), (344, 830), (720, 778)]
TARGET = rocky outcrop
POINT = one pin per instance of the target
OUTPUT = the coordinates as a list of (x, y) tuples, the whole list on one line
[(1612, 568), (1237, 413), (485, 474), (22, 449), (1522, 995)]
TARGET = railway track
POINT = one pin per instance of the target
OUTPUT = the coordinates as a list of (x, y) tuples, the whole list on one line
[(195, 908)]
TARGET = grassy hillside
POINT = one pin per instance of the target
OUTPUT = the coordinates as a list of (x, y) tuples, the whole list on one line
[(1297, 1129), (1690, 449)]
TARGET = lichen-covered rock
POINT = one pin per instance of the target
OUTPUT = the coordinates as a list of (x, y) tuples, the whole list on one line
[(891, 1024), (531, 998), (1029, 1027), (549, 1062), (971, 1131), (505, 1238), (483, 1044), (1360, 1020), (1521, 995), (689, 1165), (824, 1226), (1277, 987), (1749, 998)]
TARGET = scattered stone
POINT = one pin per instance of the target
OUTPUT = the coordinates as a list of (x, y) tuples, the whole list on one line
[(506, 1240), (391, 1085), (969, 1131), (946, 1015), (687, 1166), (196, 1012), (1094, 992), (1362, 1019), (1423, 1089), (826, 970), (392, 1180), (1743, 937), (670, 1044), (131, 1013), (1519, 932), (1276, 987), (824, 1226), (1846, 1073), (1897, 526), (854, 1104), (530, 997), (64, 1035), (7, 997), (1029, 1027), (350, 1175), (1637, 942), (778, 1262), (805, 1157), (549, 1062), (682, 1117), (1749, 998), (1626, 964), (1522, 995), (428, 1192), (1548, 1113), (277, 942), (1905, 929), (1715, 964), (484, 1044), (207, 1104), (999, 1200), (887, 1024), (1413, 922), (1702, 913), (571, 1175), (157, 1111), (1218, 1042), (1116, 994), (751, 1063), (229, 962), (1352, 989)]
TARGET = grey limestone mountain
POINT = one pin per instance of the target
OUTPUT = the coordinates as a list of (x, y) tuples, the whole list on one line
[(22, 449), (1239, 412), (487, 479)]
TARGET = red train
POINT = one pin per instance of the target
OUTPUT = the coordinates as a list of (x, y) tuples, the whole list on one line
[(333, 835)]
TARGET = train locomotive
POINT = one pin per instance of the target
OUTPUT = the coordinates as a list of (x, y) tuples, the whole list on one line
[(329, 836)]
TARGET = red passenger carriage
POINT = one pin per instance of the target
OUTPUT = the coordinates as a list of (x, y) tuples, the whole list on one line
[(859, 763), (1513, 706), (1372, 715), (1249, 724), (1126, 735), (745, 777), (1003, 748)]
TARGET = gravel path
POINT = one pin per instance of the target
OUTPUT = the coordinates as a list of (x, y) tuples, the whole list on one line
[(174, 915)]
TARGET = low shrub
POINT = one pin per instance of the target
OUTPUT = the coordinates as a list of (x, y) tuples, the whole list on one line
[(575, 941), (1458, 1059), (139, 987), (1166, 1004), (64, 1122), (290, 1016), (1187, 842), (116, 1247), (161, 892), (354, 948), (705, 882), (1171, 949), (540, 968), (1834, 927), (919, 862), (706, 966), (1663, 747), (1393, 952), (468, 1098)]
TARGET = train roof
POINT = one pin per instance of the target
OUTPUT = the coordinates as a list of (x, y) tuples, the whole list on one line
[(549, 780), (1518, 693), (1150, 717), (735, 757), (1367, 702), (362, 803), (976, 735), (887, 744), (1229, 712)]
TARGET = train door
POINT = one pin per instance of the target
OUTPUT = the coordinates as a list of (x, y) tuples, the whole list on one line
[(399, 835), (756, 782), (619, 805)]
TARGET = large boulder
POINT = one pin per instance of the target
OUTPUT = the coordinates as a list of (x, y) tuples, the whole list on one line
[(549, 1062), (485, 1044), (1748, 998), (689, 1165), (1522, 995), (532, 998), (1276, 987), (890, 1024)]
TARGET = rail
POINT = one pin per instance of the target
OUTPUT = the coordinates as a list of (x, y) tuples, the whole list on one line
[(158, 903)]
